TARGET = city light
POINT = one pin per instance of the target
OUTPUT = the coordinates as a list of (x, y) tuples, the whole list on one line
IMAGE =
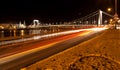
[(14, 27), (109, 9), (1, 27), (119, 21), (111, 20)]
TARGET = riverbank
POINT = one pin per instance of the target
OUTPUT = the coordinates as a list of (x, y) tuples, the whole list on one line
[(102, 50)]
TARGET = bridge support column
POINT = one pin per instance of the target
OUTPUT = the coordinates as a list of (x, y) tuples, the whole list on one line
[(100, 18)]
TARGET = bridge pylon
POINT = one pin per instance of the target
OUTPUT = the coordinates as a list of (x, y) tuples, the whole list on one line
[(100, 18)]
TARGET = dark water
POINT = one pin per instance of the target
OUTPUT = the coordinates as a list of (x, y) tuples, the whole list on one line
[(26, 32)]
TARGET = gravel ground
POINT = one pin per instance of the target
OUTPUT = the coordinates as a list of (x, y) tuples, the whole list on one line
[(99, 53), (94, 63)]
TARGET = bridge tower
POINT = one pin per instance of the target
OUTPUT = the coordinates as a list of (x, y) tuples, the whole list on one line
[(100, 18), (36, 23)]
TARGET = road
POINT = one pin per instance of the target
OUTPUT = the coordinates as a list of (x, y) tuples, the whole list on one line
[(29, 54)]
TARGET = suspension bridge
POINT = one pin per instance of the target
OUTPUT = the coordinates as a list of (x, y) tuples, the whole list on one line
[(97, 18)]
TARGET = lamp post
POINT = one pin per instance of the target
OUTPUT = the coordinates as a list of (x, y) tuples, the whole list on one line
[(116, 15), (116, 7)]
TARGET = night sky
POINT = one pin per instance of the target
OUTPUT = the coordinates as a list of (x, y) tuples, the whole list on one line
[(50, 10)]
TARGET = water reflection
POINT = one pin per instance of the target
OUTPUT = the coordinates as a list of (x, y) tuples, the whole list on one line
[(14, 33), (26, 32), (2, 34), (34, 32), (10, 33), (22, 32)]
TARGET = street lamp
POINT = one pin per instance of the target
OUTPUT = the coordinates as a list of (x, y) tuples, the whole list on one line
[(109, 9)]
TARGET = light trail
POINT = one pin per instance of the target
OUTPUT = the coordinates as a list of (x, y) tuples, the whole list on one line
[(48, 35), (16, 56)]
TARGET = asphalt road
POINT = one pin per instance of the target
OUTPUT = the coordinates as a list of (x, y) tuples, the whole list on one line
[(26, 58)]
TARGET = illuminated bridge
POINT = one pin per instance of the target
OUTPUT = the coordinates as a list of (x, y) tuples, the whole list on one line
[(96, 18)]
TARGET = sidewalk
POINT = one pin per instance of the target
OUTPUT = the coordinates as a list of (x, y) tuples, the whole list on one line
[(99, 53)]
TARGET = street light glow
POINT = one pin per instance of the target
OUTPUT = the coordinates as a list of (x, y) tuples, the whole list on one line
[(109, 9)]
